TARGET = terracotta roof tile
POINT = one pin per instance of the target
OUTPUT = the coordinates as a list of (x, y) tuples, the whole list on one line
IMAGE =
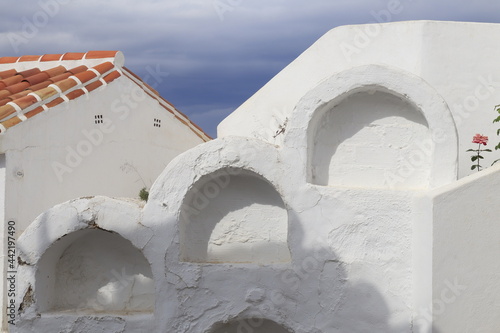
[(39, 86), (78, 69), (4, 94), (34, 112), (8, 60), (11, 80), (75, 94), (51, 57), (6, 111), (46, 93), (104, 68), (60, 77), (73, 56), (17, 87), (86, 76), (7, 73), (20, 94), (55, 102), (26, 101), (55, 71), (29, 72), (11, 122), (5, 101), (93, 86), (112, 76), (37, 78), (34, 86), (28, 58), (66, 84), (100, 54)]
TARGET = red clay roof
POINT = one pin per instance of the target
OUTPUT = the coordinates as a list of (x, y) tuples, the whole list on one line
[(41, 85)]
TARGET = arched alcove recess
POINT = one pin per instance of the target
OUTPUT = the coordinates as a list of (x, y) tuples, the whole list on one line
[(370, 137), (94, 271), (374, 126), (233, 216), (255, 325)]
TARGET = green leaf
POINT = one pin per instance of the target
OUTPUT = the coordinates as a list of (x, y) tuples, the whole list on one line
[(488, 150), (495, 161), (473, 158), (497, 146), (480, 156), (473, 167), (498, 131), (476, 149), (497, 119), (144, 194)]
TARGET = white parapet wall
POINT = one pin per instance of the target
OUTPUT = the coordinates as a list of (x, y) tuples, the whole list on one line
[(466, 246)]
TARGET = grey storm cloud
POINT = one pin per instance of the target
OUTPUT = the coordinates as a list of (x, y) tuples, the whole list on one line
[(218, 52)]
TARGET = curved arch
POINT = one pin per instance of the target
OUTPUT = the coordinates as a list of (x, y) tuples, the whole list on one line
[(441, 140), (94, 271), (100, 238), (233, 215), (257, 325)]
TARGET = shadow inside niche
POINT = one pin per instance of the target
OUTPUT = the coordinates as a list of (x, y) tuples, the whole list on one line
[(94, 271), (236, 217), (366, 129)]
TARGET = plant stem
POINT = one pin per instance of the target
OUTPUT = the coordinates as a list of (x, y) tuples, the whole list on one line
[(478, 152)]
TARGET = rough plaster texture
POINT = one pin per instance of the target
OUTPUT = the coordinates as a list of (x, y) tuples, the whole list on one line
[(389, 256), (101, 271), (367, 136), (234, 218)]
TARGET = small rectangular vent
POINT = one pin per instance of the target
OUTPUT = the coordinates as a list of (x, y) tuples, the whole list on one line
[(98, 119), (157, 122)]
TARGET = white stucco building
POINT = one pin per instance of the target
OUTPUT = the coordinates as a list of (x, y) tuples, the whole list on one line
[(81, 124), (336, 199)]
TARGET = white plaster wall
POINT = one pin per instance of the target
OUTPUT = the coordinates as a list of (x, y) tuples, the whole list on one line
[(85, 268), (366, 139), (458, 59), (99, 272), (234, 218), (62, 154), (466, 269), (351, 250), (350, 265)]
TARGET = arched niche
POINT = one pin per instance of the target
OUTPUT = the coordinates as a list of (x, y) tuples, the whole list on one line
[(233, 216), (370, 137), (254, 325), (348, 114), (94, 271)]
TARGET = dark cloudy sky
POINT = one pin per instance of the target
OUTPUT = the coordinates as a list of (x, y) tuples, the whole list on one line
[(217, 52)]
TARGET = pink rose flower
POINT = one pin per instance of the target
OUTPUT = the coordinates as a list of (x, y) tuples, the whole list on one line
[(481, 139)]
